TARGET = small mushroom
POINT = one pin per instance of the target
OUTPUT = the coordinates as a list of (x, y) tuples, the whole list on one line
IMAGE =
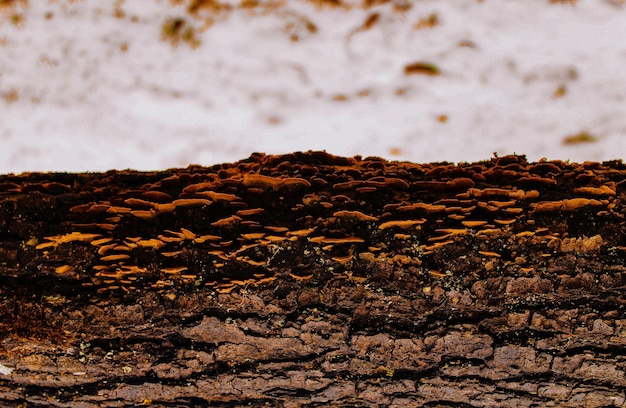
[(226, 222), (175, 270), (136, 202), (165, 208), (188, 234), (300, 277), (144, 214), (403, 224), (251, 224), (252, 211), (295, 182), (158, 196), (115, 257), (191, 202), (151, 243), (169, 239), (355, 215), (274, 238), (204, 238), (436, 274), (488, 231), (101, 241), (71, 237), (501, 204), (225, 288), (171, 254), (124, 248), (213, 196), (473, 224), (259, 180), (252, 236), (597, 191), (107, 227), (118, 210), (98, 208), (300, 233), (505, 222), (62, 270)]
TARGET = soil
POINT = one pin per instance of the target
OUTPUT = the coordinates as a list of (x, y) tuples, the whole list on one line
[(308, 280)]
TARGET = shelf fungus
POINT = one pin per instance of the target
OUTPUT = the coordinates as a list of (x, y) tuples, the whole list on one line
[(125, 231)]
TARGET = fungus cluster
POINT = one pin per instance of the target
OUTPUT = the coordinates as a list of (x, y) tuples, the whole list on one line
[(245, 223)]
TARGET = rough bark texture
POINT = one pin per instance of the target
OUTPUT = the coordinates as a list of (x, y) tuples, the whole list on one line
[(311, 280)]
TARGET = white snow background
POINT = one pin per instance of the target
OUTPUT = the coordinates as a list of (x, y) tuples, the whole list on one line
[(91, 85)]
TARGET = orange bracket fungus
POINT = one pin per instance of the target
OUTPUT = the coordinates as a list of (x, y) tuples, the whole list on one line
[(241, 221)]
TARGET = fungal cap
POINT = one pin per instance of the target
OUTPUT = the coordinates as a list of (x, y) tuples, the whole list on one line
[(188, 234), (598, 191), (151, 243), (118, 210), (190, 202), (174, 271), (490, 254), (144, 214), (72, 236), (253, 236), (62, 270), (224, 222), (249, 212), (115, 257), (171, 254), (357, 215), (136, 202), (505, 222), (300, 233), (213, 196), (473, 224), (404, 224), (102, 241)]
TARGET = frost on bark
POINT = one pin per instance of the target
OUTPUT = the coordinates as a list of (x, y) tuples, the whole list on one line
[(309, 280)]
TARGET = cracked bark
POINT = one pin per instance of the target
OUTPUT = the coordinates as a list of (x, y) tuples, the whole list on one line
[(316, 281)]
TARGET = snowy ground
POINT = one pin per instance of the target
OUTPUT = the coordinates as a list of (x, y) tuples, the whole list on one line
[(95, 85)]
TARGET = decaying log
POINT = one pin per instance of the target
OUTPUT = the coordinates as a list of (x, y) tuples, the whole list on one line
[(308, 280)]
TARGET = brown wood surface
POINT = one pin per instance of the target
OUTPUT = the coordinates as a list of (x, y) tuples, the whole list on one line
[(309, 280)]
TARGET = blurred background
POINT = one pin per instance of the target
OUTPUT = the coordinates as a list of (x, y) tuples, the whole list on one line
[(87, 85)]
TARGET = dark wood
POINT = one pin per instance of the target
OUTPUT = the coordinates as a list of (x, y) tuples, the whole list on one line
[(309, 280)]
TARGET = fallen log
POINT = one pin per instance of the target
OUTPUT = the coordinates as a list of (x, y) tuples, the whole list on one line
[(308, 280)]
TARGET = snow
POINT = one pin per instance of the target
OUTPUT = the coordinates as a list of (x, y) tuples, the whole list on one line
[(87, 85)]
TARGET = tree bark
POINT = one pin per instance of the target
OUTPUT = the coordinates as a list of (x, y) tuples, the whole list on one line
[(309, 280)]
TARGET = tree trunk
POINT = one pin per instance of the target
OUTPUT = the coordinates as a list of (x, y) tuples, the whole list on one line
[(310, 280)]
